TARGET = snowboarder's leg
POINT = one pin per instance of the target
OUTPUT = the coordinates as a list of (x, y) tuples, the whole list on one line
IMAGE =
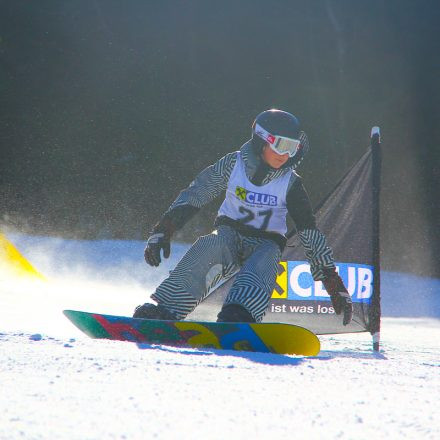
[(210, 259), (254, 283)]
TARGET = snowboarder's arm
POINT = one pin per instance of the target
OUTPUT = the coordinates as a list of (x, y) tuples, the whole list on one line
[(203, 189), (318, 253)]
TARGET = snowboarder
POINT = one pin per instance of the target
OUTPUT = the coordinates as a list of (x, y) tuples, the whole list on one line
[(261, 187)]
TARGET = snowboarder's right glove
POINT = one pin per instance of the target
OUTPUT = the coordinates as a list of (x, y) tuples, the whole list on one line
[(339, 295), (161, 235), (157, 242)]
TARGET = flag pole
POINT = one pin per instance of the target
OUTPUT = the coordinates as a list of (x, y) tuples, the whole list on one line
[(375, 312)]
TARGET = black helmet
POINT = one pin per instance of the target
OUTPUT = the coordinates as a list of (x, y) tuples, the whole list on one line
[(271, 126)]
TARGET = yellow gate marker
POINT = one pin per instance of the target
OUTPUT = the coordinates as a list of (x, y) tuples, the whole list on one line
[(14, 263)]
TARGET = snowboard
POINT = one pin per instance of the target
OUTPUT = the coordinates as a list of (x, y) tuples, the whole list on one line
[(264, 337)]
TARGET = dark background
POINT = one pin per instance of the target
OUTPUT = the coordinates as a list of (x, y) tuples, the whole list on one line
[(109, 108)]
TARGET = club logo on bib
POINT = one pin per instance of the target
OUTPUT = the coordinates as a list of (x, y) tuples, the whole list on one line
[(255, 198), (240, 193)]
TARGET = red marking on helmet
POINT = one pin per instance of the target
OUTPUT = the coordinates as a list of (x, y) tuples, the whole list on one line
[(270, 139)]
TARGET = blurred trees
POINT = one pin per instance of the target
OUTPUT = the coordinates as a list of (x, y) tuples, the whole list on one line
[(109, 109)]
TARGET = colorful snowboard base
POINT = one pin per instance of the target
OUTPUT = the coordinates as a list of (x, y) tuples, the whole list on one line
[(264, 337)]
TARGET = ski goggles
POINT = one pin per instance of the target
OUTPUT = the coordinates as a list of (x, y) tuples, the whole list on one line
[(279, 144)]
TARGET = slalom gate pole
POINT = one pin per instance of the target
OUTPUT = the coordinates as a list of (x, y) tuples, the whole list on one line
[(375, 311)]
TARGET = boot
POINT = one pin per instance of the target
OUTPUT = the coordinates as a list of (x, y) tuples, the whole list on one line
[(234, 313), (151, 311)]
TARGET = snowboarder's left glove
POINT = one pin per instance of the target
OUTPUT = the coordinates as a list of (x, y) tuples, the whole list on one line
[(339, 295)]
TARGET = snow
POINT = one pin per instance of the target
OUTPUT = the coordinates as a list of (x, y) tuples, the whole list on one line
[(58, 384)]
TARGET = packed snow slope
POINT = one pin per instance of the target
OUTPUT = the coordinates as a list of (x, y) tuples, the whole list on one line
[(58, 384)]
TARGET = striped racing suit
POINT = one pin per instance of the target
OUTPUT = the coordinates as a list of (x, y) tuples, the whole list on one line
[(238, 245)]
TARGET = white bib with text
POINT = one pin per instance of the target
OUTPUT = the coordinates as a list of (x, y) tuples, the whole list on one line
[(262, 207)]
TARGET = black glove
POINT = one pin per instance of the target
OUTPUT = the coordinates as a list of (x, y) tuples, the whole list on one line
[(339, 295), (155, 243)]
